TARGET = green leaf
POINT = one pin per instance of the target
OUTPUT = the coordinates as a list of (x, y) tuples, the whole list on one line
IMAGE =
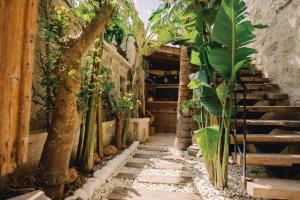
[(222, 92), (207, 140), (198, 117), (260, 26), (194, 84), (210, 15), (210, 100), (212, 104), (190, 12), (233, 33), (200, 75), (220, 59), (238, 66), (72, 72), (195, 58)]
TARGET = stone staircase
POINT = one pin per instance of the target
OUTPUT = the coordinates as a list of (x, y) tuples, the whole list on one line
[(272, 139)]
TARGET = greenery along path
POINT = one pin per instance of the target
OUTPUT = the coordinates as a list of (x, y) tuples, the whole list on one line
[(154, 172)]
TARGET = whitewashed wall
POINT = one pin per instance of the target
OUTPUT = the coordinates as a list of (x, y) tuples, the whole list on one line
[(279, 45)]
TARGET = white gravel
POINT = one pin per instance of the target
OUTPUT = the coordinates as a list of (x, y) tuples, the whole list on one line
[(234, 189), (195, 168)]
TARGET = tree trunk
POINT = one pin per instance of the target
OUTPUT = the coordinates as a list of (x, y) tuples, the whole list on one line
[(17, 37), (87, 162), (120, 125), (99, 126), (184, 123), (57, 150)]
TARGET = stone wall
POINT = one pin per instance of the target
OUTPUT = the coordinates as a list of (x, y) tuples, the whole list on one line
[(279, 45), (119, 66)]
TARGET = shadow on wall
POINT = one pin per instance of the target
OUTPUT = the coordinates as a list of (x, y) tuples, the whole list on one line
[(38, 138)]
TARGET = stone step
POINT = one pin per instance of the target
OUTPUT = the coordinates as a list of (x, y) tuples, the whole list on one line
[(270, 109), (269, 159), (153, 148), (267, 138), (119, 193), (164, 156), (273, 188), (156, 179), (159, 164), (261, 122), (265, 86)]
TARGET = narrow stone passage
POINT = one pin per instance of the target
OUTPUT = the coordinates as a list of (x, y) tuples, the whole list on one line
[(155, 171)]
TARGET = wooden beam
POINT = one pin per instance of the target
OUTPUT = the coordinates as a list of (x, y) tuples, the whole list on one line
[(261, 122), (264, 86), (270, 109), (264, 159), (268, 138), (273, 188)]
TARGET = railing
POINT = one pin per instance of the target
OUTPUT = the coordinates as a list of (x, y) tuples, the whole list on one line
[(236, 146)]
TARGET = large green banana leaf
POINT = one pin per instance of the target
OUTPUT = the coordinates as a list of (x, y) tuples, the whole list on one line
[(207, 139), (233, 33), (207, 95)]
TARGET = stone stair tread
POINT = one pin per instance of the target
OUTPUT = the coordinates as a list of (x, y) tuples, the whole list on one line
[(269, 159), (267, 138), (119, 193), (262, 122), (156, 179), (153, 148), (273, 188), (159, 164), (270, 108), (161, 156)]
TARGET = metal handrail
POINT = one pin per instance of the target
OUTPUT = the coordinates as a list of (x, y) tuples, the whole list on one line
[(236, 146)]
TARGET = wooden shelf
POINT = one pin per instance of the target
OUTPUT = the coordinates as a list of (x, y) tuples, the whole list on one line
[(162, 72), (162, 102), (162, 85)]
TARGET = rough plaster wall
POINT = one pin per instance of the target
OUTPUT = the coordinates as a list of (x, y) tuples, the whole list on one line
[(118, 66), (128, 45), (279, 45)]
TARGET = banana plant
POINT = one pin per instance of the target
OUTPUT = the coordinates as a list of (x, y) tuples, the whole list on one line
[(217, 33), (225, 54)]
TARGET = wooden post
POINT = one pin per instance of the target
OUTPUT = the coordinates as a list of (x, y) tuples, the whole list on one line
[(17, 38)]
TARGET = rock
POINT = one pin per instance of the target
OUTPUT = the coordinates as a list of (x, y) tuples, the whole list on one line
[(72, 198), (104, 173), (194, 150), (89, 188), (110, 150), (97, 159), (81, 194)]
